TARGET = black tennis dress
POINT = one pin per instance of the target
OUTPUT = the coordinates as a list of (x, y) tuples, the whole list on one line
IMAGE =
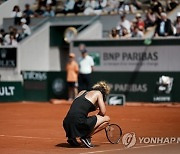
[(77, 123)]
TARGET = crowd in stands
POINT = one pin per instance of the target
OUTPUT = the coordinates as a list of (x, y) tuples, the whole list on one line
[(155, 15)]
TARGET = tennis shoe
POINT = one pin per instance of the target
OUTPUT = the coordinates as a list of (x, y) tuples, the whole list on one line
[(73, 142), (86, 142)]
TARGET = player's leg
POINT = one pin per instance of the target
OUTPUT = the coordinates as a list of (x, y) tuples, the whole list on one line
[(102, 122)]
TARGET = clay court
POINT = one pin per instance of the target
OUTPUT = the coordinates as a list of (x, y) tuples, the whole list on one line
[(36, 128)]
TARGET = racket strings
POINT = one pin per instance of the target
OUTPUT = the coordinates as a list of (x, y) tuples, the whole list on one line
[(113, 133)]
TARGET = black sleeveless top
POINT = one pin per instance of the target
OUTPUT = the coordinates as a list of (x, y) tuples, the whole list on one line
[(77, 123), (81, 105)]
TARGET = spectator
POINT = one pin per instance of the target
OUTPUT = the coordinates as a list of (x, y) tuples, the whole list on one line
[(16, 14), (164, 27), (90, 7), (114, 34), (68, 7), (100, 5), (12, 40), (86, 64), (140, 22), (7, 35), (79, 6), (72, 70), (50, 2), (123, 7), (177, 24), (150, 18), (137, 33), (49, 12), (125, 33), (171, 4), (155, 4), (26, 31), (2, 33), (111, 6), (124, 23), (39, 11), (28, 14), (17, 34)]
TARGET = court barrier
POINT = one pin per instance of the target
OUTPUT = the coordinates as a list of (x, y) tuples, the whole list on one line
[(133, 87)]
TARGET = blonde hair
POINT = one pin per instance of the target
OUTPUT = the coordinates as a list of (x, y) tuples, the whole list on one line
[(103, 87)]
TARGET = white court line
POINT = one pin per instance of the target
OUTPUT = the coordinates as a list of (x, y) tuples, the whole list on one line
[(34, 137), (139, 147), (28, 137)]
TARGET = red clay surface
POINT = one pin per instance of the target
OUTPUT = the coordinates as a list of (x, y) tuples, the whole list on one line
[(36, 128)]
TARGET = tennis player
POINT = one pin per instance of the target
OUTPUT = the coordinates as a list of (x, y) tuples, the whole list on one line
[(77, 123)]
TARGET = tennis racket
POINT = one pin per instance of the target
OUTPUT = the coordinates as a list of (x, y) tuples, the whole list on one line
[(113, 133)]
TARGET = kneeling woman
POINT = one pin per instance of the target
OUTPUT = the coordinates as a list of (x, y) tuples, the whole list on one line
[(77, 123)]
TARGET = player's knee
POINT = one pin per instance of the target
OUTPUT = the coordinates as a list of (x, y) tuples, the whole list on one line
[(107, 118)]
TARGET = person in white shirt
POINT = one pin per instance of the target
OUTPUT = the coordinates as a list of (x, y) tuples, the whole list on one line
[(86, 64), (26, 31), (16, 14), (124, 23)]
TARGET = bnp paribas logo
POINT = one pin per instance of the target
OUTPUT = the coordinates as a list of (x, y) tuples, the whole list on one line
[(3, 53)]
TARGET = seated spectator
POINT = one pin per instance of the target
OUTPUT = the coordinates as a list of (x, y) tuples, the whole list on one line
[(26, 31), (150, 18), (49, 12), (125, 33), (177, 24), (2, 33), (100, 6), (7, 35), (158, 14), (123, 7), (164, 27), (12, 40), (171, 4), (114, 34), (50, 2), (79, 6), (112, 6), (68, 7), (39, 11), (90, 7), (137, 4), (155, 4), (16, 14), (28, 14), (140, 22), (124, 23), (17, 34), (136, 32)]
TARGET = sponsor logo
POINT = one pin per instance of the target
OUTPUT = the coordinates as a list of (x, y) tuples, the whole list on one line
[(116, 99), (58, 86), (38, 76), (130, 87), (7, 90)]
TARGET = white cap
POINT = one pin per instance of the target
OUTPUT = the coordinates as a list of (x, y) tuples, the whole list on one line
[(23, 20)]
